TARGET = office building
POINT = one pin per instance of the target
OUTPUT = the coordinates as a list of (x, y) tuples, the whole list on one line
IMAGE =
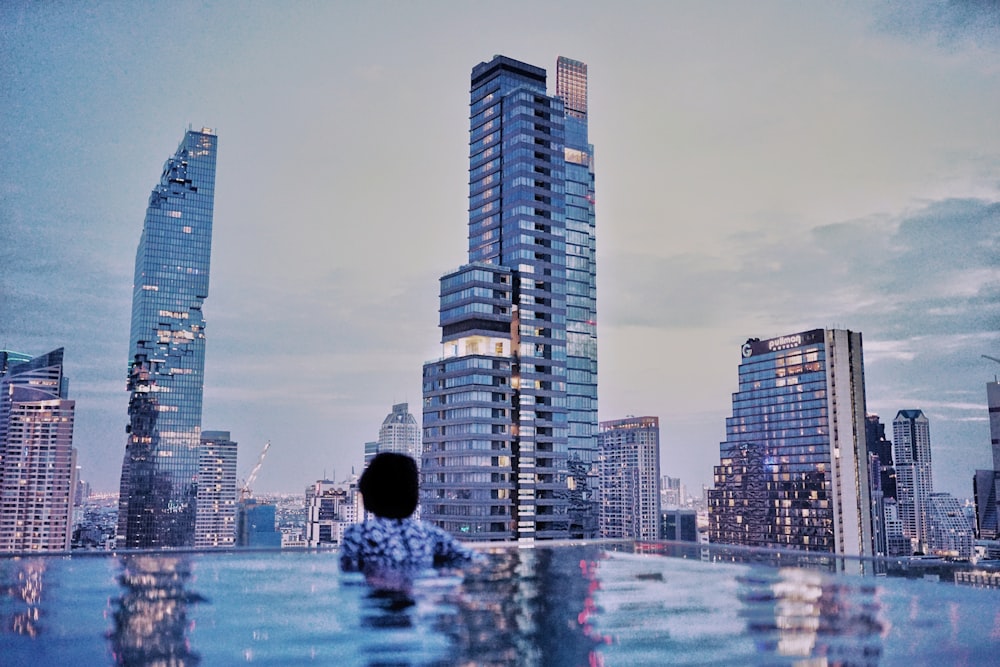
[(159, 482), (400, 433), (794, 468), (629, 463), (986, 483), (510, 408), (37, 458), (215, 521), (911, 437)]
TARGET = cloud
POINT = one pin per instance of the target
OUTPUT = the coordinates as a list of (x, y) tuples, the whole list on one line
[(951, 24)]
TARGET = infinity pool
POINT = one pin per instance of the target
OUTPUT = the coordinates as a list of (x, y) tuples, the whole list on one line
[(597, 604)]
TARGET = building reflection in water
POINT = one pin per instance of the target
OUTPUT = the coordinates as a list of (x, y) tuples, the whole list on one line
[(150, 617), (526, 607), (21, 580), (529, 607), (811, 618)]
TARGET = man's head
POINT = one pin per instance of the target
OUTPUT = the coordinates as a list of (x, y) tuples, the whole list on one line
[(389, 486)]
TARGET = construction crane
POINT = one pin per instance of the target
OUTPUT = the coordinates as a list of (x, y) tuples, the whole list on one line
[(245, 490), (986, 356)]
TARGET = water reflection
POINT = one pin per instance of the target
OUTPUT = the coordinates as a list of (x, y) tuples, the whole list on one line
[(530, 607), (804, 614), (150, 616), (21, 581)]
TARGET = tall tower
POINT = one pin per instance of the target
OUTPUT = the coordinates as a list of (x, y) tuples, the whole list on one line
[(911, 435), (159, 482), (794, 468), (399, 433), (510, 409), (986, 483), (629, 455), (37, 459)]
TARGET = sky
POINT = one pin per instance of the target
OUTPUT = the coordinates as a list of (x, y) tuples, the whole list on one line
[(761, 169)]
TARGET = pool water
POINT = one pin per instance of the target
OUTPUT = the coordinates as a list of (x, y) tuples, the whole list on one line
[(590, 605)]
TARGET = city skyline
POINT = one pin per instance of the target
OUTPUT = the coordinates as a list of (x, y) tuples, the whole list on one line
[(760, 169)]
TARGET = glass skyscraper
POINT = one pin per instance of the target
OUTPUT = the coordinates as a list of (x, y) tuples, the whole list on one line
[(510, 409), (794, 468), (159, 483)]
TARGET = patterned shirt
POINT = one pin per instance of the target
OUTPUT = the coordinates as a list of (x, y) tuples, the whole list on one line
[(382, 545)]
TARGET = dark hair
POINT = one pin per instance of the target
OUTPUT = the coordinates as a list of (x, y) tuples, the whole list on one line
[(390, 486)]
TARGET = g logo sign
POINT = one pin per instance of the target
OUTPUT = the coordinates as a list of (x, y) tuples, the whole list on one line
[(747, 349)]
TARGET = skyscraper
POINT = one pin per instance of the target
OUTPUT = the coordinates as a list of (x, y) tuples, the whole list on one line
[(37, 458), (986, 483), (629, 462), (794, 468), (159, 483), (510, 409), (399, 433), (911, 435), (215, 520)]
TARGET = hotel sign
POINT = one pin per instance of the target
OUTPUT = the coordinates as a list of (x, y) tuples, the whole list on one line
[(755, 346)]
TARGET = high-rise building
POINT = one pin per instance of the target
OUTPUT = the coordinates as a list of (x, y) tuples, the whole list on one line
[(911, 437), (159, 482), (986, 483), (215, 520), (794, 468), (37, 458), (400, 433), (628, 451), (510, 409)]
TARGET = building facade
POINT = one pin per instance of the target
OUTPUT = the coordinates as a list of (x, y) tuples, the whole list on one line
[(629, 462), (911, 437), (330, 509), (794, 468), (986, 483), (37, 458), (215, 520), (510, 408), (256, 525), (949, 531), (399, 433), (679, 525), (159, 482)]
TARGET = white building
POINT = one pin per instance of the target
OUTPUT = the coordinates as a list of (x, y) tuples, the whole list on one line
[(911, 451), (330, 509), (399, 434), (629, 464), (215, 518)]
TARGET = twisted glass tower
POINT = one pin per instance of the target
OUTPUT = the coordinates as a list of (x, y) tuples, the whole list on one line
[(159, 483), (510, 409)]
